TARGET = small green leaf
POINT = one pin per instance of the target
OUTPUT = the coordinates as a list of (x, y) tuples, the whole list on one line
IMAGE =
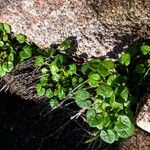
[(51, 51), (104, 90), (124, 94), (94, 64), (94, 76), (81, 99), (64, 72), (92, 118), (56, 77), (65, 44), (125, 59), (26, 53), (93, 79), (1, 43), (115, 105), (84, 68), (44, 70), (112, 80), (109, 64), (54, 69), (140, 68), (86, 104), (145, 49), (54, 103), (7, 66), (93, 83), (74, 81), (1, 27), (21, 38), (2, 72), (103, 71), (59, 59), (108, 136), (80, 80), (7, 27), (5, 37), (11, 57), (49, 93), (72, 69), (124, 127), (39, 60), (43, 80), (40, 90), (61, 92), (82, 95)]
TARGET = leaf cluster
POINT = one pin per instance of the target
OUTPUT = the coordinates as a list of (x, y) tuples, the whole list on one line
[(13, 49), (99, 87)]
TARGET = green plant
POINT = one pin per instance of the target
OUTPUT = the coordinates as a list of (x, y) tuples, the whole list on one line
[(103, 90), (96, 87), (12, 49), (7, 50)]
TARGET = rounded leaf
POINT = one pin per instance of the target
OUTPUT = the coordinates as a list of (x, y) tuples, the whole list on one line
[(145, 49), (86, 104), (65, 44), (54, 69), (7, 27), (93, 119), (54, 103), (40, 90), (72, 69), (104, 90), (109, 64), (108, 136), (7, 66), (1, 43), (94, 64), (39, 60), (93, 79), (125, 59), (26, 53), (49, 93), (124, 127), (82, 95), (21, 38), (2, 72)]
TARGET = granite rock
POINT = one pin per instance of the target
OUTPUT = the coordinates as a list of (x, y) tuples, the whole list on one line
[(100, 26), (143, 117)]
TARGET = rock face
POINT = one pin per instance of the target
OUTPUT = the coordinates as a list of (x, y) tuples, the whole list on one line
[(100, 26), (143, 117), (140, 141)]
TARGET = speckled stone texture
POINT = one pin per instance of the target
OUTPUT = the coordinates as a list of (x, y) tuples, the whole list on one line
[(143, 117), (100, 26), (140, 141)]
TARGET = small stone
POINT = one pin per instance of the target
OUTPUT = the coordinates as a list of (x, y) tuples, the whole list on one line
[(143, 117)]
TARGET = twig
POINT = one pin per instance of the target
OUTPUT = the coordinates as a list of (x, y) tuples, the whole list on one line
[(6, 85), (76, 116)]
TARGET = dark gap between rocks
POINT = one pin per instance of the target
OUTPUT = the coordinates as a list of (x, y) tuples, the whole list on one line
[(27, 125)]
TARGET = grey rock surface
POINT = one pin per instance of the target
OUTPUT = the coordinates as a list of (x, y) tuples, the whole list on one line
[(143, 117), (100, 26)]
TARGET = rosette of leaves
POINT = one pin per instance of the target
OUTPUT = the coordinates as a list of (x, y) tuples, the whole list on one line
[(13, 49), (106, 99), (6, 50)]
